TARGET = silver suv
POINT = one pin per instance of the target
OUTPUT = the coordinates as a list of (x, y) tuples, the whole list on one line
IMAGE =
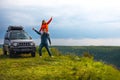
[(17, 41)]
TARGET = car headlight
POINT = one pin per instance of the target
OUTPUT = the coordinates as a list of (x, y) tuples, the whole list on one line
[(31, 43), (15, 44)]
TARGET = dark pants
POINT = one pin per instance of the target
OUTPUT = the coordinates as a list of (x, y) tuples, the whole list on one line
[(47, 48)]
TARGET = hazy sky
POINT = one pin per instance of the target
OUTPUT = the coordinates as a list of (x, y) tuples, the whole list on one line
[(72, 19)]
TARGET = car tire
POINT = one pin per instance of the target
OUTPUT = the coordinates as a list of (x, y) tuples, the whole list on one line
[(11, 54), (33, 54), (4, 52)]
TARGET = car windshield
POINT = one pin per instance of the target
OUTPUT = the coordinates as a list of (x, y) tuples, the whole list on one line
[(19, 35)]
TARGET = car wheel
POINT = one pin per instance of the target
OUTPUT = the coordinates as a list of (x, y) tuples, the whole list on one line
[(33, 54), (11, 54), (4, 52)]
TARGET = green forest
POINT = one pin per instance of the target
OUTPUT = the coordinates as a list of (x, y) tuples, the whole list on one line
[(106, 54)]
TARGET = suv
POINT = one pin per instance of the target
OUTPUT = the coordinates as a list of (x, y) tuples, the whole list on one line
[(18, 41)]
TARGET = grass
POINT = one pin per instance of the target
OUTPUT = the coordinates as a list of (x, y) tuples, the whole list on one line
[(60, 67)]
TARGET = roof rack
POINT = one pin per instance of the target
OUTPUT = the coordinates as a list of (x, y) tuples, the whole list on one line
[(15, 28)]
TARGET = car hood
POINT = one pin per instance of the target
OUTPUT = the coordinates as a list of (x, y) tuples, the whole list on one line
[(21, 40)]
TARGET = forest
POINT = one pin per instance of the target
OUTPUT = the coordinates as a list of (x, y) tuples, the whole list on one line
[(106, 54)]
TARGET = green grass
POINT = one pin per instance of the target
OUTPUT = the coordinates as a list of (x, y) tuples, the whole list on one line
[(60, 67)]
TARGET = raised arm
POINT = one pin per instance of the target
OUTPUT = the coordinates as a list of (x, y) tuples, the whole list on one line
[(49, 20), (37, 31)]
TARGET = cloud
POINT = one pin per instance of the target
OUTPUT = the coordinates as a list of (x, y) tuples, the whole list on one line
[(91, 11), (71, 18), (17, 18), (81, 42), (87, 42), (36, 3)]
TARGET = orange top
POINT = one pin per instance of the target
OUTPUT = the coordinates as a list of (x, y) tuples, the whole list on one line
[(45, 26)]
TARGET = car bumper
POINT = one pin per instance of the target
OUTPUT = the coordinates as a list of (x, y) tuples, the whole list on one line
[(23, 49)]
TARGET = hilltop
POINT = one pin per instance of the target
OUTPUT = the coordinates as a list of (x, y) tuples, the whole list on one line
[(60, 67)]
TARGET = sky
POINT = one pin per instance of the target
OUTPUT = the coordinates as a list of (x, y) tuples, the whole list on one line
[(75, 22)]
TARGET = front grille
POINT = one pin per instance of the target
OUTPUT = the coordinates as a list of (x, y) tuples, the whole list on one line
[(24, 44)]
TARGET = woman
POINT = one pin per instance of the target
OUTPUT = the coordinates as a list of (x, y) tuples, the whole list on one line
[(45, 25)]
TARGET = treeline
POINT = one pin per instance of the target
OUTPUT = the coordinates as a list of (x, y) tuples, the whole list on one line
[(107, 54), (1, 45)]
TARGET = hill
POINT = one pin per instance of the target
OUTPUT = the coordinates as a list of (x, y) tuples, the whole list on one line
[(107, 54), (60, 67)]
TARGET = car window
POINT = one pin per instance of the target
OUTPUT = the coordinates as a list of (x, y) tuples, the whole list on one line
[(19, 35)]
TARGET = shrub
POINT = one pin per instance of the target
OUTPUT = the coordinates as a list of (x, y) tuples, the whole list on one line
[(87, 54)]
